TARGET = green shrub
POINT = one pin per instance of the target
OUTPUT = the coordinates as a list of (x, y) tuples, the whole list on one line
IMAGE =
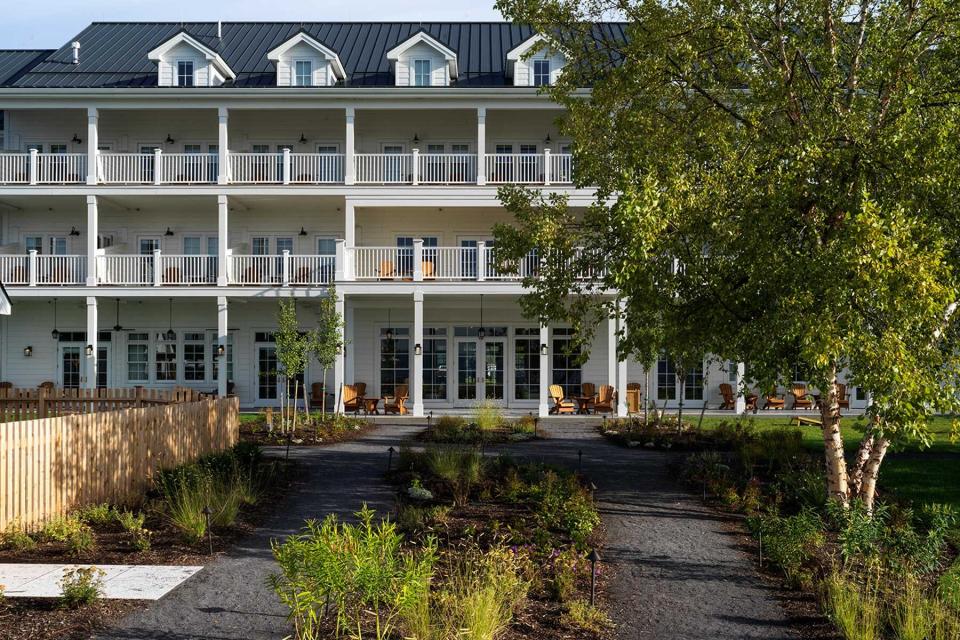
[(563, 572), (853, 607), (859, 534), (81, 586), (581, 615), (790, 542), (70, 530), (524, 424), (16, 539), (487, 416), (97, 514), (133, 523)]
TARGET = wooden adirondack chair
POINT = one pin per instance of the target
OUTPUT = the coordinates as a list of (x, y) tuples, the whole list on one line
[(387, 270), (634, 396), (606, 401), (427, 269), (843, 400), (560, 405), (801, 397), (729, 397), (773, 401), (397, 402), (353, 397)]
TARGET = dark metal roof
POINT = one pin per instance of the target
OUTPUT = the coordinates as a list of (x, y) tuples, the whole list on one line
[(15, 62), (114, 54)]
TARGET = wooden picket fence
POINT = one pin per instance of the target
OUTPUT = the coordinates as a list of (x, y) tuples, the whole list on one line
[(50, 466), (30, 404)]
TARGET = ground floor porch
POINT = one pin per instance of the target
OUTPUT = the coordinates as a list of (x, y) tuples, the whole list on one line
[(450, 351)]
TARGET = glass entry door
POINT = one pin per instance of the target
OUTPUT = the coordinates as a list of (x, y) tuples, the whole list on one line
[(72, 359), (480, 370)]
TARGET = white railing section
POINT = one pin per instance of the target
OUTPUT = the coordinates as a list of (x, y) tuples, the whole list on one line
[(447, 168), (561, 168), (256, 168), (528, 266), (382, 263), (316, 168), (15, 270), (515, 168), (14, 168), (258, 270), (125, 270), (188, 168), (383, 168), (61, 168), (449, 263), (187, 270), (127, 168), (58, 270), (311, 270)]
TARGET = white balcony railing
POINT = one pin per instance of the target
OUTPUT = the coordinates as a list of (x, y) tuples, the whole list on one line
[(15, 270), (561, 168), (311, 270), (258, 270), (383, 168), (188, 168), (134, 271), (382, 263), (515, 168), (61, 270), (316, 168), (127, 168), (14, 168), (256, 168), (449, 263), (180, 270), (61, 168), (447, 168)]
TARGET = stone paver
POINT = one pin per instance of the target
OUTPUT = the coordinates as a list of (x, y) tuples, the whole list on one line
[(120, 581)]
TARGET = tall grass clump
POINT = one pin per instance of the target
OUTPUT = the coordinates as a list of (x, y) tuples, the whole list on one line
[(459, 469), (912, 616), (487, 416), (853, 606)]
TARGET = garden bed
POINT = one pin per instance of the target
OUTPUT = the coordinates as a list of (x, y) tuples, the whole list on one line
[(314, 431), (168, 528), (485, 426), (477, 548)]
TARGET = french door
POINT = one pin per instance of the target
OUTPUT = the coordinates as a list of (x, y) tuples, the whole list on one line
[(71, 358), (481, 370)]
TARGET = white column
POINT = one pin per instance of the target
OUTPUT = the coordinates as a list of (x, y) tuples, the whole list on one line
[(340, 261), (349, 371), (93, 231), (481, 145), (612, 351), (338, 363), (223, 240), (223, 139), (481, 260), (741, 403), (418, 357), (544, 408), (349, 175), (93, 141), (222, 341), (418, 260), (621, 366), (90, 379), (546, 166), (349, 238)]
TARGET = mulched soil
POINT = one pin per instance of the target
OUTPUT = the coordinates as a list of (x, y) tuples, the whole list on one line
[(39, 619), (256, 432)]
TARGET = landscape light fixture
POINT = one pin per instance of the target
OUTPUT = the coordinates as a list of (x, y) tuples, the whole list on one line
[(55, 334), (170, 335), (28, 351)]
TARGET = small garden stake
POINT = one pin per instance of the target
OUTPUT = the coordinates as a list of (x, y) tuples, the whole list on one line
[(536, 422), (594, 558), (207, 511), (760, 536), (390, 459)]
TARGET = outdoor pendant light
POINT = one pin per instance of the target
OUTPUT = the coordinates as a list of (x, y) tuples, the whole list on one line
[(170, 335), (481, 332), (118, 326), (389, 333), (55, 334)]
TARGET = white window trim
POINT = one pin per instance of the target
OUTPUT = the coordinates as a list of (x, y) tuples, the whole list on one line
[(310, 80)]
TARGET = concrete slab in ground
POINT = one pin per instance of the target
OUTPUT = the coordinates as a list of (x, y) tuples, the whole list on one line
[(121, 582)]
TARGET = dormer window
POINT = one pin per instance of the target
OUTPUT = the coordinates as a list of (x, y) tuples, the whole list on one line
[(185, 73), (421, 73), (541, 73), (303, 73)]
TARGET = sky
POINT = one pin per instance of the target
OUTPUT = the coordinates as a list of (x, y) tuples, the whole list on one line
[(48, 24)]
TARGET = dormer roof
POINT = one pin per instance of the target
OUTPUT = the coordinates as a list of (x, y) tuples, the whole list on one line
[(183, 37), (423, 37), (303, 38)]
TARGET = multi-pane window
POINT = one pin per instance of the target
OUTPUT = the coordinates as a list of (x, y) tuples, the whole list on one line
[(327, 249), (267, 376), (405, 253), (666, 379), (526, 364), (421, 73), (33, 243), (435, 364), (58, 148), (566, 362), (138, 357), (261, 246), (394, 358), (185, 73), (194, 357), (303, 73), (693, 383), (541, 73), (216, 359), (165, 359)]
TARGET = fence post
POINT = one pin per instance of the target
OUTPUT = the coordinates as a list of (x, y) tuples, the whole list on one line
[(286, 268), (32, 268), (481, 261), (41, 403), (138, 396), (286, 166), (415, 159), (546, 166), (34, 166), (157, 279)]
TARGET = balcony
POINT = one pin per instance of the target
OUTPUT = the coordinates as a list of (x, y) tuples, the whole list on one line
[(288, 168)]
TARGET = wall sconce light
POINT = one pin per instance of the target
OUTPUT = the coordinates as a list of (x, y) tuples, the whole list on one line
[(303, 231), (74, 231), (168, 232), (76, 139), (169, 139), (547, 140), (221, 351), (89, 350), (543, 349), (417, 349), (416, 139), (28, 351), (303, 138)]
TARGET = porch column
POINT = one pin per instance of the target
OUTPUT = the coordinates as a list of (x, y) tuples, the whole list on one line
[(349, 371), (349, 238), (418, 353), (223, 140), (93, 231), (740, 405), (612, 350), (338, 363), (222, 342), (621, 365), (544, 408), (223, 239), (349, 174), (90, 373), (93, 141), (481, 145)]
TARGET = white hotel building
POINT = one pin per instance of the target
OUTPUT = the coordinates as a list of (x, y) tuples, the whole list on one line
[(163, 184)]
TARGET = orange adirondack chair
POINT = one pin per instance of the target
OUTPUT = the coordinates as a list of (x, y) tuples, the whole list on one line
[(801, 397), (729, 398), (397, 402), (843, 400), (606, 401)]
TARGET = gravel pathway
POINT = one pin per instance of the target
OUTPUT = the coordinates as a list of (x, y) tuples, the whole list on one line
[(678, 569), (230, 598)]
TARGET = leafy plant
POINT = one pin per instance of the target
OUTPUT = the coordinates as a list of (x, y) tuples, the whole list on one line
[(133, 523), (790, 542), (580, 614), (15, 538), (70, 530), (97, 514), (81, 586)]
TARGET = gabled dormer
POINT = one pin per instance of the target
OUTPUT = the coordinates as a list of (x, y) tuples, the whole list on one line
[(423, 61), (184, 61), (534, 64), (304, 62)]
